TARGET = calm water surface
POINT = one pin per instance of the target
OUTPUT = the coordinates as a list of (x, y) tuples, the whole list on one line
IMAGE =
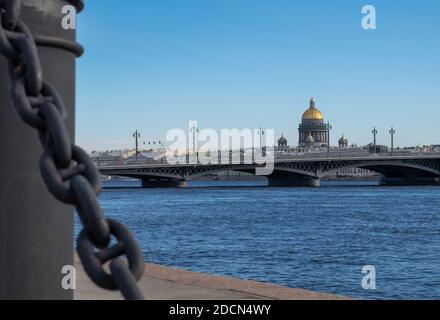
[(316, 239)]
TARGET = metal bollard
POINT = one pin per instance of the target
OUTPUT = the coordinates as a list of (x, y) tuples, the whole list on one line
[(36, 231)]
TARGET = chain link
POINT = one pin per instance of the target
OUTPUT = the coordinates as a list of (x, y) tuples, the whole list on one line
[(67, 170)]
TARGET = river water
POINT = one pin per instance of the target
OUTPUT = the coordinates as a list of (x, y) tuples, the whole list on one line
[(317, 239)]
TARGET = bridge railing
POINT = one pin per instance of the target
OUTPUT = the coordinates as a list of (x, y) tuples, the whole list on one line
[(335, 154)]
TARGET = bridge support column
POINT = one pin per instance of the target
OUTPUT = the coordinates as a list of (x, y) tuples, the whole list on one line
[(410, 181), (152, 183), (294, 182)]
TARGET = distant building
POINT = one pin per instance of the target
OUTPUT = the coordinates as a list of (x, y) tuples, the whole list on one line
[(343, 142), (282, 143), (355, 172), (313, 132), (104, 158)]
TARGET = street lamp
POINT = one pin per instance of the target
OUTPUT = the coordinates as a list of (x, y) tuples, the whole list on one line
[(261, 134), (374, 132), (329, 127), (392, 133), (136, 136), (195, 130)]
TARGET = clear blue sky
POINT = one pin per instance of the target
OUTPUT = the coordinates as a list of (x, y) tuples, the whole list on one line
[(153, 65)]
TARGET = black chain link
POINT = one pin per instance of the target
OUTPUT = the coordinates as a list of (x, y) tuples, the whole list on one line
[(67, 170)]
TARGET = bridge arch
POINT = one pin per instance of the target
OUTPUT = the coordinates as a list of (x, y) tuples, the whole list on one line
[(144, 174), (387, 168), (220, 168)]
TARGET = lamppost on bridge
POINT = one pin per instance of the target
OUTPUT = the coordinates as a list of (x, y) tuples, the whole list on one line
[(392, 133), (195, 131), (374, 132), (329, 127), (136, 136), (261, 133)]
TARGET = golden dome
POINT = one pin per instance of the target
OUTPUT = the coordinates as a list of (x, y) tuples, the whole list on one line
[(312, 113)]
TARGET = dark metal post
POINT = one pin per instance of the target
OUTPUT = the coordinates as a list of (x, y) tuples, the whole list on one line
[(195, 131), (36, 231), (374, 132), (329, 127), (392, 133), (136, 136), (261, 133)]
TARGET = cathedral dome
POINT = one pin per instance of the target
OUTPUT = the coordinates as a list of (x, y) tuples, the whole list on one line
[(312, 113)]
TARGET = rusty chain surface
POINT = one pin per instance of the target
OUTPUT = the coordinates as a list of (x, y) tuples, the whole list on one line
[(67, 170)]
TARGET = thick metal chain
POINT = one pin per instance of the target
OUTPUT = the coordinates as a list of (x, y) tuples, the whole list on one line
[(67, 170)]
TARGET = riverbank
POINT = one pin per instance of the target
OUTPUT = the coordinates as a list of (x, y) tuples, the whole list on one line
[(165, 283)]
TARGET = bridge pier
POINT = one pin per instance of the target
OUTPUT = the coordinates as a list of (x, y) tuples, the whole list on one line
[(409, 181), (294, 182), (166, 183)]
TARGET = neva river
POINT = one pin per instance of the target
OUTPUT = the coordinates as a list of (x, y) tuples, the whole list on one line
[(316, 239)]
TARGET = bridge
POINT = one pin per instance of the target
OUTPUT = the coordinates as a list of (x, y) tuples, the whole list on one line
[(307, 172)]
